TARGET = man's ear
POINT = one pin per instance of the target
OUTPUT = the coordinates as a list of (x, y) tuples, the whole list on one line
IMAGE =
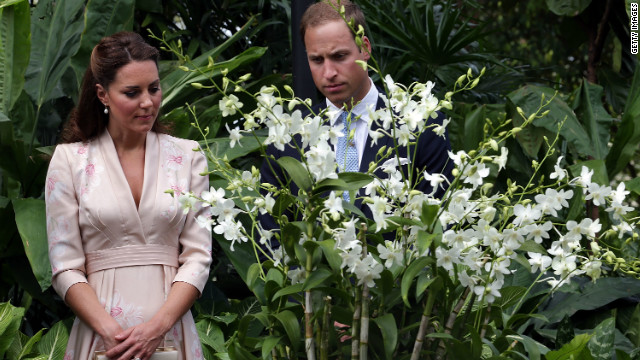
[(366, 48), (101, 92)]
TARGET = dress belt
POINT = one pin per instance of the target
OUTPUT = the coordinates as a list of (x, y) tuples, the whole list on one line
[(131, 255)]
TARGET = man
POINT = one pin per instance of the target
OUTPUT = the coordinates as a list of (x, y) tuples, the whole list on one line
[(332, 54)]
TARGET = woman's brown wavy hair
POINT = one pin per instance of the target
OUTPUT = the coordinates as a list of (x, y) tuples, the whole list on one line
[(87, 119)]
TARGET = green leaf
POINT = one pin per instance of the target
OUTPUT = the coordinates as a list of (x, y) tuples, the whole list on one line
[(407, 279), (429, 213), (565, 331), (56, 29), (576, 349), (15, 46), (220, 147), (54, 342), (424, 281), (268, 344), (316, 278), (210, 334), (532, 246), (529, 99), (567, 7), (28, 346), (177, 88), (10, 319), (633, 185), (387, 325), (602, 342), (530, 138), (104, 18), (474, 128), (331, 254), (32, 225), (346, 181), (296, 171), (293, 289), (622, 355), (633, 330), (510, 295), (594, 117), (242, 256), (625, 143), (592, 296), (533, 348), (291, 326)]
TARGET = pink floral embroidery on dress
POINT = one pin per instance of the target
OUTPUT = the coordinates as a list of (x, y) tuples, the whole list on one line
[(82, 149), (90, 172), (173, 154), (125, 313), (57, 232), (54, 188), (69, 355), (175, 159), (90, 169)]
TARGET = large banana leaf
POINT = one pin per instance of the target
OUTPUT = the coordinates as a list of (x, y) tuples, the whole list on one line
[(54, 342), (31, 221), (594, 117), (627, 138), (14, 50), (10, 319), (102, 18), (56, 29), (529, 99)]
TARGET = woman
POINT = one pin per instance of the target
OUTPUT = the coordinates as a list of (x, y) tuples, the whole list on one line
[(125, 258)]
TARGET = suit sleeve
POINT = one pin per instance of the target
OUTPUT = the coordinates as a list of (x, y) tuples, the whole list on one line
[(195, 241), (433, 156), (271, 173), (66, 253)]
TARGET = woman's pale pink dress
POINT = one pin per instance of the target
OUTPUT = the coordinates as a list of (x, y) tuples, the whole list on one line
[(130, 256)]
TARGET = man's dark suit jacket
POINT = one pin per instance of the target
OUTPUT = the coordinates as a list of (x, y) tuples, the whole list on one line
[(431, 156)]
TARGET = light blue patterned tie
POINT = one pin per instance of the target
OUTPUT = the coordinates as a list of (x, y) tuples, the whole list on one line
[(346, 152)]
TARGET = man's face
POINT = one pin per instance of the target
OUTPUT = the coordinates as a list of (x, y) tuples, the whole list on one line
[(332, 54)]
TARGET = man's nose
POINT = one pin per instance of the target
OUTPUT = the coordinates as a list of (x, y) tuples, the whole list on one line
[(330, 70)]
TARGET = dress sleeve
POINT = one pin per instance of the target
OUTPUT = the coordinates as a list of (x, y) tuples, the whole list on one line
[(66, 252), (195, 241)]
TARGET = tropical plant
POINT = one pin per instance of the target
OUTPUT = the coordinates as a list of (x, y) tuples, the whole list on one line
[(467, 276)]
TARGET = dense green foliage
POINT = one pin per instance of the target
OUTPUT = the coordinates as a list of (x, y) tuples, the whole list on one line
[(579, 48)]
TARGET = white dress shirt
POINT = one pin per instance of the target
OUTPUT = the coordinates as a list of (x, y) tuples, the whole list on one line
[(359, 117)]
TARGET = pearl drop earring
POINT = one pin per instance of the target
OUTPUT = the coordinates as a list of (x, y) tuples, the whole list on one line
[(106, 110)]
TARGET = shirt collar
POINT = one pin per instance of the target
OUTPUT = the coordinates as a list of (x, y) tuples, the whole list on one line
[(369, 100)]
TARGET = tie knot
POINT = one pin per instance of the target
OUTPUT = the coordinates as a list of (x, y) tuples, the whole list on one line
[(346, 125)]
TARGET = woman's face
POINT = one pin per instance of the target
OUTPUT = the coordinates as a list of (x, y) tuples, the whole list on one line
[(133, 98)]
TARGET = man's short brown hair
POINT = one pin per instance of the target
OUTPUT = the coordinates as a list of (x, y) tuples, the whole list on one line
[(327, 11)]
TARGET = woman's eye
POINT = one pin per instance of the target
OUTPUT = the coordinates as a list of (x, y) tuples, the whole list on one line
[(154, 90), (131, 93)]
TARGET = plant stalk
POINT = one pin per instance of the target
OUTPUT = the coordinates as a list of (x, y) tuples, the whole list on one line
[(309, 344), (448, 327), (324, 334), (424, 323), (364, 323), (355, 326)]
